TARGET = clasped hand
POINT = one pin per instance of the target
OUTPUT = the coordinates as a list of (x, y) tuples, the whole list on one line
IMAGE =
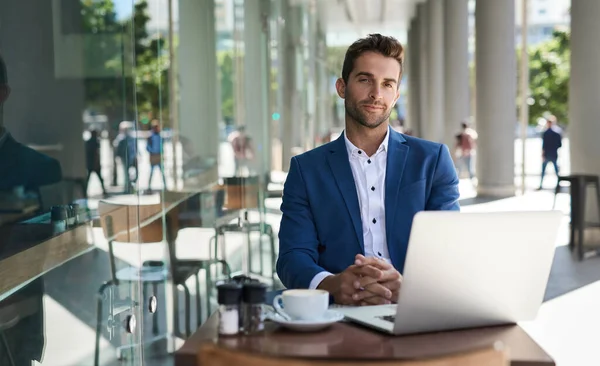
[(369, 281)]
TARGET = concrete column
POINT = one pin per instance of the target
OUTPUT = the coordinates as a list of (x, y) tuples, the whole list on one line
[(323, 119), (456, 63), (423, 50), (199, 103), (496, 78), (414, 69), (290, 67), (257, 82), (311, 79), (584, 86), (435, 64)]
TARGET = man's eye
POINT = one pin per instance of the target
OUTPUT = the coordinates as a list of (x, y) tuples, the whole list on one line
[(363, 80), (388, 85)]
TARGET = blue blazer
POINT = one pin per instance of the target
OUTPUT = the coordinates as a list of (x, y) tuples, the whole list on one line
[(321, 228)]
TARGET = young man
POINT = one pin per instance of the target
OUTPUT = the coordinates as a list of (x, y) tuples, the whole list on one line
[(551, 142), (348, 205), (154, 147)]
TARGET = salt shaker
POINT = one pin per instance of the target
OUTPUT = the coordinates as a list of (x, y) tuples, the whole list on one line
[(58, 216), (229, 296), (75, 213), (253, 297)]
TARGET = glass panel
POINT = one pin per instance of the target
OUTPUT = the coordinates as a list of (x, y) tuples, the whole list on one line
[(170, 124), (70, 97)]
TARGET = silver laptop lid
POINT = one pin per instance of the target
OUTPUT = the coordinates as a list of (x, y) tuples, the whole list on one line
[(473, 269)]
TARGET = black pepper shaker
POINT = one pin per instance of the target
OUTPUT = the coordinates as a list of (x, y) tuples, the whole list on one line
[(254, 295)]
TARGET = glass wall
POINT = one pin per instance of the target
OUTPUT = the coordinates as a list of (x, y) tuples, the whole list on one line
[(141, 150)]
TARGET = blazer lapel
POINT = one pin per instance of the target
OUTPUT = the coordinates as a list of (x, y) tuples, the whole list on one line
[(396, 160), (340, 167)]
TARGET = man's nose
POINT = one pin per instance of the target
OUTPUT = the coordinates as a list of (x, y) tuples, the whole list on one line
[(375, 92)]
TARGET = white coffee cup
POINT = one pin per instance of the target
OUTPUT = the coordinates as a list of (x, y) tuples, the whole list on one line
[(302, 304)]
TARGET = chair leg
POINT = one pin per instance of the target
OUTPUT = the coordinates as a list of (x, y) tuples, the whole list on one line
[(273, 256), (249, 246), (100, 295), (212, 246), (144, 292), (198, 305), (188, 330), (7, 347), (155, 315), (177, 329), (261, 254), (581, 220), (208, 286)]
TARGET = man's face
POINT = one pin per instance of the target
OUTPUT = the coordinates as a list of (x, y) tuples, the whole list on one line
[(372, 89)]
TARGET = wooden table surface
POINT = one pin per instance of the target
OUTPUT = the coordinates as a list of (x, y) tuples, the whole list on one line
[(346, 341)]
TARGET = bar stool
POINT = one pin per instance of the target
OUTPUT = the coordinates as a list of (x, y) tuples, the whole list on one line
[(243, 194), (578, 192), (133, 221)]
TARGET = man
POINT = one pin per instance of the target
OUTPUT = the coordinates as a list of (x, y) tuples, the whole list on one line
[(92, 159), (126, 149), (21, 166), (242, 150), (551, 142), (348, 205), (154, 147), (465, 148)]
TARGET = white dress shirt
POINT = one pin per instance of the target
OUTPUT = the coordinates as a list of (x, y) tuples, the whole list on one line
[(369, 178)]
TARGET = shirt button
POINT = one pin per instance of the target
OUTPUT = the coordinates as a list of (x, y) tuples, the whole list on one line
[(374, 221), (379, 254), (369, 161), (373, 188), (360, 152)]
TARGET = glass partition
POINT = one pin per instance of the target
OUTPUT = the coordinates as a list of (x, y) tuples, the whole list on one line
[(141, 155)]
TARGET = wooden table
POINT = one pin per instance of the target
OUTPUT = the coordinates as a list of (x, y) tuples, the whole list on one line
[(348, 341)]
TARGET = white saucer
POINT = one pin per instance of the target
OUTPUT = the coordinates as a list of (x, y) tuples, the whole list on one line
[(330, 317)]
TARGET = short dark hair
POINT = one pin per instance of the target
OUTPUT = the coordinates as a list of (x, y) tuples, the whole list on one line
[(384, 45), (3, 73)]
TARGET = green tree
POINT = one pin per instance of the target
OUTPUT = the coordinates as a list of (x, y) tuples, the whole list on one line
[(549, 68), (105, 87), (226, 78), (121, 86), (151, 68)]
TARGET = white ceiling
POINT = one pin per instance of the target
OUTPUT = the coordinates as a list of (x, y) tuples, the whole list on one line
[(346, 20)]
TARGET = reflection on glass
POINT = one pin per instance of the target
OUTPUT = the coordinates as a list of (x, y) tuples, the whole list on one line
[(124, 101)]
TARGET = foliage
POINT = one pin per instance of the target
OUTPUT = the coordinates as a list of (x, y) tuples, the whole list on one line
[(121, 86), (549, 68), (226, 78)]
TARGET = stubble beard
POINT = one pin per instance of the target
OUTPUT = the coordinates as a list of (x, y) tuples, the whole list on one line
[(361, 118)]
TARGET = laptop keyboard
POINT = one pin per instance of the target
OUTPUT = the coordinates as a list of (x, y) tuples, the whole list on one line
[(389, 318)]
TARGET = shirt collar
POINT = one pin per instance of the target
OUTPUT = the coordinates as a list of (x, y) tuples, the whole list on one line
[(356, 152)]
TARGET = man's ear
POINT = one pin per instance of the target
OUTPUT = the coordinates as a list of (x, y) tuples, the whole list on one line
[(340, 87), (4, 93)]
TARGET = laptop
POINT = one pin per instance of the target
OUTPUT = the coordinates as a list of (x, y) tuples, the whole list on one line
[(466, 270)]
